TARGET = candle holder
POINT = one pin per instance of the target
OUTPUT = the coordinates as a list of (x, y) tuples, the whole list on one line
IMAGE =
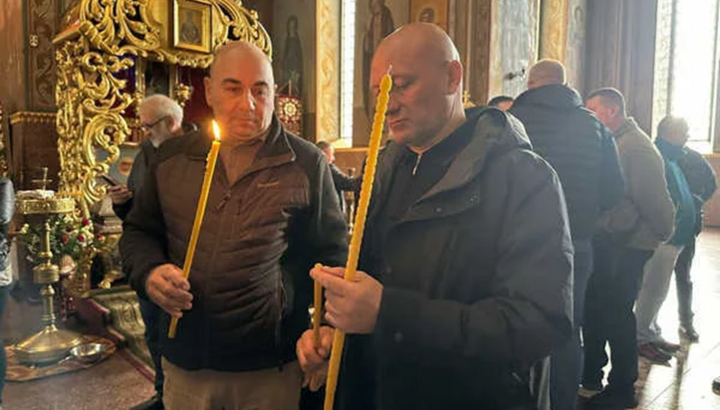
[(50, 344)]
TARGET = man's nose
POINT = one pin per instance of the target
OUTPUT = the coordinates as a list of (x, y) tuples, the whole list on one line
[(246, 101), (393, 105)]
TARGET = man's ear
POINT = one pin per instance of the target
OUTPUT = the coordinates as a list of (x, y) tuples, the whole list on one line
[(208, 92), (455, 76), (614, 111)]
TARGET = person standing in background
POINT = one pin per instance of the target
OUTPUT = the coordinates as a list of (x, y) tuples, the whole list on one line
[(628, 235), (672, 134), (583, 153), (701, 178)]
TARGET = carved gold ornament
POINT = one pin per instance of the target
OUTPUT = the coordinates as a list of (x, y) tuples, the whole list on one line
[(101, 41)]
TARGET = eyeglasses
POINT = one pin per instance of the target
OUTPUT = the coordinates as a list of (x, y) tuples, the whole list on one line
[(147, 127)]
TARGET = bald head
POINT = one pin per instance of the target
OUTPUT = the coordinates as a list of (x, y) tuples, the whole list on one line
[(546, 72), (426, 102), (241, 91), (420, 38), (239, 50)]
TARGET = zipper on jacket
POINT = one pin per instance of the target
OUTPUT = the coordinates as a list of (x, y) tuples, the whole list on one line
[(417, 164), (224, 201), (213, 257)]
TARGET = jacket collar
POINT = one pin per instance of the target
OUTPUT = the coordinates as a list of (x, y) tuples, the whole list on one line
[(629, 125), (275, 151), (494, 133), (555, 96)]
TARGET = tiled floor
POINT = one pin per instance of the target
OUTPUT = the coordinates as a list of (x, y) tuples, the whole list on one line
[(683, 385)]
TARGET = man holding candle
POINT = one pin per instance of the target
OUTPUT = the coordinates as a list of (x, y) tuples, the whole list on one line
[(271, 213), (467, 250)]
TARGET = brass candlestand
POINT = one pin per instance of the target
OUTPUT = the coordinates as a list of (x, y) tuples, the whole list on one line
[(50, 344)]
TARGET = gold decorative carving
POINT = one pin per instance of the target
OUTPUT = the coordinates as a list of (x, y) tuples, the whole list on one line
[(3, 153), (32, 117), (327, 119), (43, 206), (553, 29), (100, 41)]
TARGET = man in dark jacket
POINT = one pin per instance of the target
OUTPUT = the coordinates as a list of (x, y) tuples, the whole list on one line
[(583, 153), (271, 214), (161, 119), (342, 181), (467, 250), (701, 178)]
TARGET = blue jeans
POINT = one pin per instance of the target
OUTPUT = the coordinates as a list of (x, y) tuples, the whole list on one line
[(4, 292), (566, 362), (154, 328)]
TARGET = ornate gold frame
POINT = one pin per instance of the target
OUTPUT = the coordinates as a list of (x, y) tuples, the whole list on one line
[(204, 8), (93, 49)]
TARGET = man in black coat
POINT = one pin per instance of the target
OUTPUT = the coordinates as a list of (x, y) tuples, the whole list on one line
[(467, 250), (583, 153)]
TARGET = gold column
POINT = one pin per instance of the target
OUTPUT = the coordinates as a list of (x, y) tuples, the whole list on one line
[(327, 32), (553, 29)]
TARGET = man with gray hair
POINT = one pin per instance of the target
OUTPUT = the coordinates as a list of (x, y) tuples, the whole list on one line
[(583, 153), (161, 119)]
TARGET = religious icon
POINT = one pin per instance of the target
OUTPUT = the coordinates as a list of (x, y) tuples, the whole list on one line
[(192, 25), (430, 11), (379, 26), (157, 78), (292, 62), (189, 31)]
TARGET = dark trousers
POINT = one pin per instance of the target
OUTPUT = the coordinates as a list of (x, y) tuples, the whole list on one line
[(566, 362), (4, 294), (684, 284), (154, 328), (609, 317)]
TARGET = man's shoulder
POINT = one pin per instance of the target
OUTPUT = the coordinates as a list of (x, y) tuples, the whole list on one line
[(307, 155), (179, 145)]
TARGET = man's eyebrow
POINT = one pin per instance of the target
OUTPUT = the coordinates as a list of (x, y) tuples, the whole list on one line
[(231, 81), (261, 84)]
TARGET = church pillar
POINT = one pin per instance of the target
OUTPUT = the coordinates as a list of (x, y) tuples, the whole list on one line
[(327, 120)]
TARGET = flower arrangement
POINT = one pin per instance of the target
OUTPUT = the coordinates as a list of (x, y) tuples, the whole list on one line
[(68, 236)]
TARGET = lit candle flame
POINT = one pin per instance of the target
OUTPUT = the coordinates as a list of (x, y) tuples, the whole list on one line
[(216, 130)]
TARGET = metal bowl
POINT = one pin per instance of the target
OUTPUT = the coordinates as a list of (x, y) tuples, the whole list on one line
[(89, 352)]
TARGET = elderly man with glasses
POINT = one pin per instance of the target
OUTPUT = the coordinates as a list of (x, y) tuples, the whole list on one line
[(161, 119)]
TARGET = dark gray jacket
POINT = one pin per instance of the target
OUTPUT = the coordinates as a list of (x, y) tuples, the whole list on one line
[(477, 281)]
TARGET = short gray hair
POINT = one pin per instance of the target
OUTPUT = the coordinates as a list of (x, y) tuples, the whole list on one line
[(162, 106)]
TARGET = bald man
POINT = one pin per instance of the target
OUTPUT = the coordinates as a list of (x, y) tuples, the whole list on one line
[(583, 152), (466, 259), (272, 213)]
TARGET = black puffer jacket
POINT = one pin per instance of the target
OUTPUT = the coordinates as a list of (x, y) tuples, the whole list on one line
[(579, 147), (477, 281), (260, 237)]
